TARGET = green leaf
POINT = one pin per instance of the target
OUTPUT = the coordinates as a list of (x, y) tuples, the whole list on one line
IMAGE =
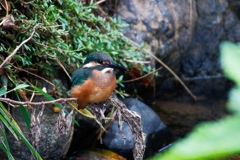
[(49, 97), (26, 116), (8, 126), (208, 141), (24, 112), (5, 145), (17, 130), (4, 80), (230, 60), (2, 91), (20, 86), (234, 100)]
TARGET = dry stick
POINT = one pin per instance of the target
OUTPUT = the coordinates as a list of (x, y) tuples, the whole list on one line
[(3, 21), (99, 2), (60, 64), (141, 62), (169, 69), (7, 100), (34, 75), (174, 74), (17, 48), (135, 79)]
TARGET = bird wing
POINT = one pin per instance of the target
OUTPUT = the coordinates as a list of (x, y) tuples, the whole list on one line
[(82, 74), (79, 76)]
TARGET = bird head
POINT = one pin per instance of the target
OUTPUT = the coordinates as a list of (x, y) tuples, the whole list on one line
[(101, 58)]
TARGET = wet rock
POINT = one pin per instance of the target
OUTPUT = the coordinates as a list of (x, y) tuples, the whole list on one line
[(182, 115), (157, 133)]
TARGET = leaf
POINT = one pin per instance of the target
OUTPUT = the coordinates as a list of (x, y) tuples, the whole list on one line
[(24, 112), (230, 60), (5, 112), (20, 86), (2, 91), (16, 130), (25, 116), (5, 145), (4, 80), (234, 100), (4, 121), (208, 141), (83, 112)]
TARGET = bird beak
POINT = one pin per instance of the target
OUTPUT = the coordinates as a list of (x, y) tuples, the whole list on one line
[(117, 67)]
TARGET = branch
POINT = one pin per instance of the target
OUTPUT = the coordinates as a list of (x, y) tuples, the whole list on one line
[(99, 2), (33, 75), (175, 75), (16, 49), (60, 64), (167, 68), (8, 100), (135, 79)]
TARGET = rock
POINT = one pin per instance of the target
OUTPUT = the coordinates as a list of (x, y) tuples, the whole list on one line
[(183, 34), (165, 27), (85, 134), (156, 132), (51, 145)]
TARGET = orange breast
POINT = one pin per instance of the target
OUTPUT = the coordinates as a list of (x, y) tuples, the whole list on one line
[(94, 90), (83, 93)]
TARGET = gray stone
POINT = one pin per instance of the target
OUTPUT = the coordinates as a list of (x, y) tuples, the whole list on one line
[(51, 145), (156, 131)]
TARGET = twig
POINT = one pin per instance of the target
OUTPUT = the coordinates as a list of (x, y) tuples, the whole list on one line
[(135, 79), (3, 21), (60, 64), (17, 48), (101, 12), (169, 70), (33, 75), (133, 120), (99, 2), (8, 100), (174, 74), (142, 62), (110, 122)]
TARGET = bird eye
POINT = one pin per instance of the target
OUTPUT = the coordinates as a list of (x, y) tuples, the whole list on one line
[(100, 61), (107, 62)]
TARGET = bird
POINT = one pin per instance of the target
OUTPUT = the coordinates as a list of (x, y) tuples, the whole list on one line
[(96, 80)]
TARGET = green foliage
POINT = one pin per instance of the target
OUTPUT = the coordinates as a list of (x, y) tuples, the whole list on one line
[(215, 140), (4, 144), (68, 31)]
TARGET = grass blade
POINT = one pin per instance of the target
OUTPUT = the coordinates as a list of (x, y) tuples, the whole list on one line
[(20, 86), (17, 130), (24, 112)]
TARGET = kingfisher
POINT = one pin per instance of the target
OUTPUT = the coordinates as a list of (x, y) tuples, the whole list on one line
[(95, 81)]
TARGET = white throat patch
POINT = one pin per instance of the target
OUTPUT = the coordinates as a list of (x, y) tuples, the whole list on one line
[(105, 70)]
